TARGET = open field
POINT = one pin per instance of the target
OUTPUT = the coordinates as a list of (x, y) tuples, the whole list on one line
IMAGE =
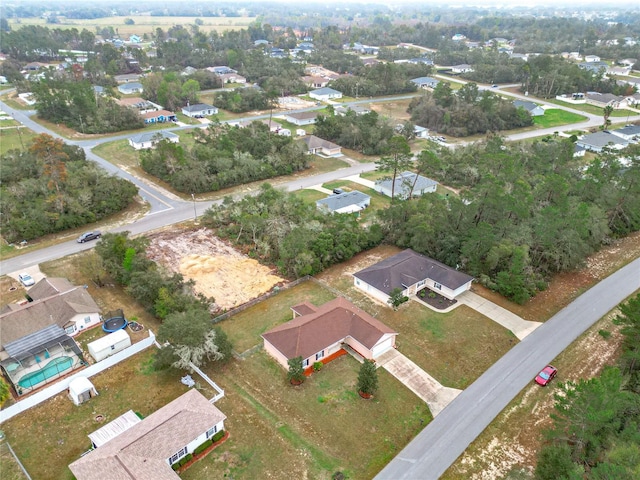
[(144, 24), (590, 108), (15, 138), (554, 117)]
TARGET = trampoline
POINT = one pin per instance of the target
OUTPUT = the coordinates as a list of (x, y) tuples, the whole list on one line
[(114, 321)]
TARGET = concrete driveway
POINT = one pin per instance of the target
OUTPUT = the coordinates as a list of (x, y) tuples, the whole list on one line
[(34, 271), (417, 380), (360, 180), (520, 328)]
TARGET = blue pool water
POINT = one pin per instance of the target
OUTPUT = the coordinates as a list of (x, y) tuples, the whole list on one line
[(51, 369)]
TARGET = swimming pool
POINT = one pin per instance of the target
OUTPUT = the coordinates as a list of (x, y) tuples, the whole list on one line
[(51, 369)]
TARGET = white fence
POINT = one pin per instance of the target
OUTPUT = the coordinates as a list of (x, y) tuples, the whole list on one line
[(62, 385), (210, 382)]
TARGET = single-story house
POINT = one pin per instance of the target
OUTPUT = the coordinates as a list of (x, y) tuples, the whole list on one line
[(462, 68), (97, 89), (188, 71), (596, 142), (129, 88), (425, 82), (320, 334), (231, 78), (140, 104), (404, 183), (411, 272), (147, 449), (357, 109), (149, 139), (35, 336), (421, 61), (135, 39), (199, 110), (325, 94), (159, 116), (591, 58), (221, 70), (630, 133), (314, 81), (347, 202), (594, 67), (316, 145), (579, 151), (533, 109), (127, 77), (604, 100), (301, 118)]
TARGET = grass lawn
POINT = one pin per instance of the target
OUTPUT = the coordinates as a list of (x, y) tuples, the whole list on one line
[(8, 466), (589, 108), (309, 196), (310, 431), (245, 328), (15, 138), (378, 201), (554, 117)]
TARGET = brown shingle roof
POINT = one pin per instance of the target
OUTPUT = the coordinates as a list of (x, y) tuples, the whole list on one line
[(314, 142), (142, 451), (335, 320), (407, 268)]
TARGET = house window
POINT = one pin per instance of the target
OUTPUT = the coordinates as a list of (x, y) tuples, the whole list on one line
[(305, 362), (320, 355), (437, 285), (212, 431), (421, 283), (113, 347), (70, 329), (87, 320), (177, 456)]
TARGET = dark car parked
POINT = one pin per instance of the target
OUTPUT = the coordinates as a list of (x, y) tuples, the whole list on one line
[(85, 237)]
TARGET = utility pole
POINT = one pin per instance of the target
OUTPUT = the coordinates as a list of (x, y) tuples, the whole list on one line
[(195, 215)]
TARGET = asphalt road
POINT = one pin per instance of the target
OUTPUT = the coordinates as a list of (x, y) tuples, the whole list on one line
[(435, 449)]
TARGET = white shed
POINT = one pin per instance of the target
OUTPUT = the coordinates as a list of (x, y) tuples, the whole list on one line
[(81, 389), (109, 344)]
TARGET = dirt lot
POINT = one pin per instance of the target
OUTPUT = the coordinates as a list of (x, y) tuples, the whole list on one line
[(218, 270)]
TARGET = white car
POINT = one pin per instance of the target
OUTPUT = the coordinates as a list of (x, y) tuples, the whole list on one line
[(26, 279)]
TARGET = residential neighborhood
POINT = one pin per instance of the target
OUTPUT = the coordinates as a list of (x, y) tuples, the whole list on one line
[(239, 239)]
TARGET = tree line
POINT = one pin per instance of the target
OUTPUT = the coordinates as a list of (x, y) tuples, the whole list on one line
[(595, 431), (466, 112), (51, 187), (283, 230), (224, 156)]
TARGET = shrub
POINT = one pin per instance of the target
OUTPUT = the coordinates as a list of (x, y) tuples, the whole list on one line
[(368, 378), (606, 334), (206, 444), (217, 436), (317, 366), (296, 370)]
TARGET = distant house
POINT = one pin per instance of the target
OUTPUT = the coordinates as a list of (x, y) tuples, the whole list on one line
[(149, 139), (188, 71), (231, 78), (97, 89), (533, 109), (357, 109), (597, 142), (411, 272), (347, 202), (127, 77), (420, 132), (325, 94), (321, 334), (317, 145), (425, 82), (146, 449), (301, 118), (159, 116), (462, 68), (369, 62), (36, 336), (630, 133), (591, 58), (199, 110), (139, 104), (221, 70), (135, 39), (313, 81), (403, 184), (458, 37), (594, 67), (519, 56), (130, 88), (420, 61), (604, 100), (260, 42)]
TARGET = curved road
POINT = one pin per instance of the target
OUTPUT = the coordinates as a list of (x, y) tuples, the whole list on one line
[(434, 449)]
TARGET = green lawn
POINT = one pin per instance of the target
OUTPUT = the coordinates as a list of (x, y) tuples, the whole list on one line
[(589, 108), (554, 117), (310, 196), (19, 138)]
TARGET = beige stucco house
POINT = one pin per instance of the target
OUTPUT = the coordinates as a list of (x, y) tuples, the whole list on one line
[(320, 334)]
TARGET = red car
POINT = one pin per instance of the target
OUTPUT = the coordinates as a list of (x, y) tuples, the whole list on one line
[(546, 375)]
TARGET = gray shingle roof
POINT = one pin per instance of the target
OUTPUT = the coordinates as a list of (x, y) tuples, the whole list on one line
[(602, 139), (342, 200), (149, 136), (198, 107), (407, 268), (314, 142), (405, 180), (528, 106), (325, 91)]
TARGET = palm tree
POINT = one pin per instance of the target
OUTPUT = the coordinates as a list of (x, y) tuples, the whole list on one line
[(607, 111)]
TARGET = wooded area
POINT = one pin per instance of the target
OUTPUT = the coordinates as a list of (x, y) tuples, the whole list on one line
[(368, 133), (51, 187), (224, 156)]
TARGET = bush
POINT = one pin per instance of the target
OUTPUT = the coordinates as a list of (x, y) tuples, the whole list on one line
[(206, 444), (217, 436), (606, 334), (317, 366)]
